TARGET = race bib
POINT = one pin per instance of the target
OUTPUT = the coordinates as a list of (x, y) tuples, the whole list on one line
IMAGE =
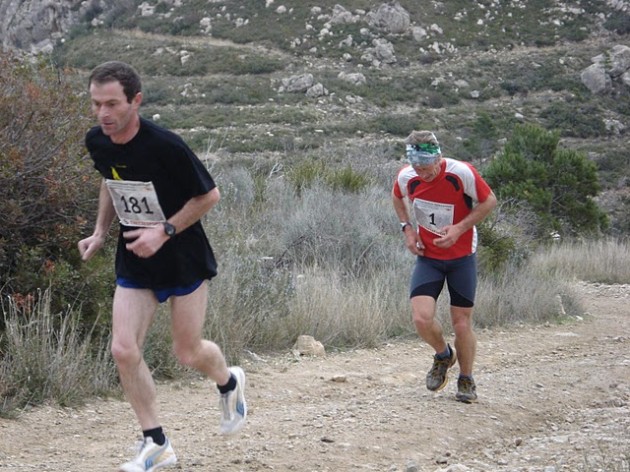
[(433, 216), (136, 203)]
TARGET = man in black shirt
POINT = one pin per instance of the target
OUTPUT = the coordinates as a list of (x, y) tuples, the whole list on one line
[(159, 190)]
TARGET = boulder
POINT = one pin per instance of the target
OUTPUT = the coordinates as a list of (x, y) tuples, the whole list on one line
[(619, 60), (308, 346), (390, 18), (595, 78)]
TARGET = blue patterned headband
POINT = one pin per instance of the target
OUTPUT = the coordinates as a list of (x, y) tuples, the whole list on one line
[(422, 154)]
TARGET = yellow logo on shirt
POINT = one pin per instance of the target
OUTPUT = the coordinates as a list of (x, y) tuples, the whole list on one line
[(115, 174)]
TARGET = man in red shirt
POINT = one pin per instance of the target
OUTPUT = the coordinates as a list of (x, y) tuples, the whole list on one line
[(447, 198)]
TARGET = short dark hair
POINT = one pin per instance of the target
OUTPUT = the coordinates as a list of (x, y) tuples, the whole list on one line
[(116, 71)]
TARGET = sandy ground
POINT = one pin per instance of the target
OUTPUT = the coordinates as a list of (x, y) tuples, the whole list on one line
[(551, 398)]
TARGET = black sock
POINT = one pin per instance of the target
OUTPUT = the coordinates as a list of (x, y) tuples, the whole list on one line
[(157, 434), (228, 387), (446, 354)]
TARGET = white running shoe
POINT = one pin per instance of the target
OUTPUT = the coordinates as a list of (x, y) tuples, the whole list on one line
[(233, 405), (151, 457)]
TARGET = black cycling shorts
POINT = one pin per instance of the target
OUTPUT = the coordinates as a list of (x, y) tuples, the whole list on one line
[(429, 275)]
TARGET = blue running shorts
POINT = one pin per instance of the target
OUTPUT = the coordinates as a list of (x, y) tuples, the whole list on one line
[(162, 294)]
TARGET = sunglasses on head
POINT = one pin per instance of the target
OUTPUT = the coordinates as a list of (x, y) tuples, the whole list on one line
[(426, 147)]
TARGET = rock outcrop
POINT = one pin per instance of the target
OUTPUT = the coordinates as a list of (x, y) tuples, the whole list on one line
[(34, 25), (613, 65)]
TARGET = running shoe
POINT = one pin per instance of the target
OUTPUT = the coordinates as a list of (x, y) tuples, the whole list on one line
[(233, 405), (466, 390), (150, 457), (436, 377)]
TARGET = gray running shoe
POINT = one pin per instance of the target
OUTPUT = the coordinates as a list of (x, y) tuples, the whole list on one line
[(436, 377), (466, 390)]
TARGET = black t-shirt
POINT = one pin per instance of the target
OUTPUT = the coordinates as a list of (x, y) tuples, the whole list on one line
[(159, 156)]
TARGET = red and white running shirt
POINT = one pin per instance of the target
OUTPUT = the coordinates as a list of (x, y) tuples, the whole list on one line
[(446, 200)]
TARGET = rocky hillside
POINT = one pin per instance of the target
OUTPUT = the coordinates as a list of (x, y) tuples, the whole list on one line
[(253, 78)]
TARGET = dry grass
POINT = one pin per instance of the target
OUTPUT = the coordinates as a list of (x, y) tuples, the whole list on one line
[(605, 261), (48, 356)]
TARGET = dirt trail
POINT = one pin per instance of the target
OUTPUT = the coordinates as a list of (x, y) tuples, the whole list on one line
[(202, 41), (551, 398)]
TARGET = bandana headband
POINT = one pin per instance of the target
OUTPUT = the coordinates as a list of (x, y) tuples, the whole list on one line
[(422, 154)]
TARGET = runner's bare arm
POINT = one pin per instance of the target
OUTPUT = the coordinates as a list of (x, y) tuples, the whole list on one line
[(412, 241), (400, 207), (194, 209), (104, 218)]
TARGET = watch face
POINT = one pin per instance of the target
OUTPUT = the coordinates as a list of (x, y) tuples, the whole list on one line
[(169, 229)]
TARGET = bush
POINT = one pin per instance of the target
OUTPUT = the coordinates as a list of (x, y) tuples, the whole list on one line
[(497, 248), (559, 185), (574, 120), (46, 183), (619, 23), (307, 173), (397, 125)]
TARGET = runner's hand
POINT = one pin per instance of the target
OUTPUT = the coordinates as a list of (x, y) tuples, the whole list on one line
[(414, 244), (88, 246), (145, 242), (452, 234)]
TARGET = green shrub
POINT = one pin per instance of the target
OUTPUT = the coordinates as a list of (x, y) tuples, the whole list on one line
[(496, 249), (86, 287), (309, 172), (182, 25), (574, 120), (521, 78), (306, 173), (478, 138), (118, 15), (347, 180), (559, 185), (396, 124), (619, 23), (512, 87)]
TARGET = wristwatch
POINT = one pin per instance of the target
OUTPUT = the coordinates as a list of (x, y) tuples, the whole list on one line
[(169, 229), (403, 225)]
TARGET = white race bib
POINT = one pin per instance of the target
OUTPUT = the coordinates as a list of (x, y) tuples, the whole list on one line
[(433, 216), (136, 203)]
